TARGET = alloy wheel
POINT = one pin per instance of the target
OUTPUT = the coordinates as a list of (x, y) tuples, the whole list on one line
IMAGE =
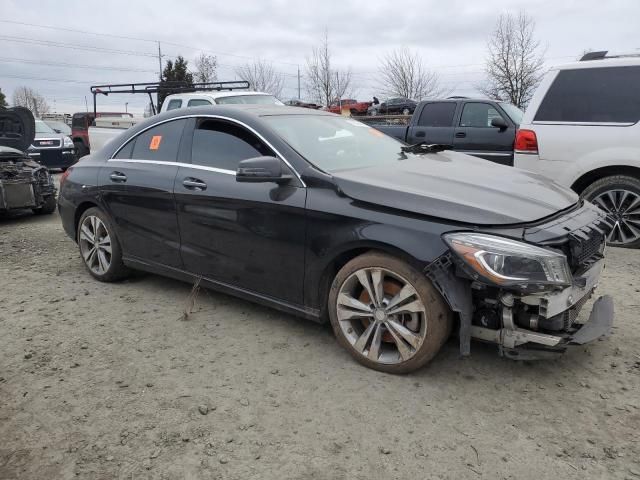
[(381, 315), (624, 207), (95, 244)]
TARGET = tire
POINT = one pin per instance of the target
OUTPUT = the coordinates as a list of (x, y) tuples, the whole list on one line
[(81, 149), (47, 207), (102, 265), (619, 195), (426, 326)]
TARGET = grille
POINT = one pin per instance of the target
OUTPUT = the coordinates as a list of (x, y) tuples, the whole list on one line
[(585, 249), (47, 143)]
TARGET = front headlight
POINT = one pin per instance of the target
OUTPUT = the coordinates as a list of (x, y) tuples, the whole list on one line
[(67, 142), (507, 262)]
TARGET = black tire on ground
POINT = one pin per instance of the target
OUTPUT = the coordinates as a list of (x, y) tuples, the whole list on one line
[(615, 182), (439, 317), (81, 149), (48, 206), (117, 270)]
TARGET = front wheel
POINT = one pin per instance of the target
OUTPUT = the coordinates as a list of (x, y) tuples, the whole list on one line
[(47, 207), (619, 196), (99, 246), (387, 314)]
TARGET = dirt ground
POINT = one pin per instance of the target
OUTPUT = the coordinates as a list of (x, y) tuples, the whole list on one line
[(104, 381)]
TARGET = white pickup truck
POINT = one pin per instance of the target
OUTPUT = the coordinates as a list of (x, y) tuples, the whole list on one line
[(105, 128)]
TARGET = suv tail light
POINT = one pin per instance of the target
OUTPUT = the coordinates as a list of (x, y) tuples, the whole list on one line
[(526, 142)]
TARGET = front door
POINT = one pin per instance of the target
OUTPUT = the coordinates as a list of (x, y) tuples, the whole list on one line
[(476, 136), (248, 235), (137, 191), (434, 125)]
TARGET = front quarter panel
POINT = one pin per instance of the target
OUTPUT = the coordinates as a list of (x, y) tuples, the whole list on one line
[(338, 225)]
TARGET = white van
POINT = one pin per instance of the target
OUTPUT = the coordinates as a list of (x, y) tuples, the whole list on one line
[(582, 130)]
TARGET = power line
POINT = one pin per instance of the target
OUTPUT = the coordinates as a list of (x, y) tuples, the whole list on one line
[(73, 65), (50, 43)]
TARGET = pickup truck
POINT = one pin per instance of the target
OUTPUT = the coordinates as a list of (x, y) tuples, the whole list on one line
[(479, 127), (105, 127), (80, 124), (348, 104)]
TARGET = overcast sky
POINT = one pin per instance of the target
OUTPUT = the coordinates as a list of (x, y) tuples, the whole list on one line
[(450, 36)]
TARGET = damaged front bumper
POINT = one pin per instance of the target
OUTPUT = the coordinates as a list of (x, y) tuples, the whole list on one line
[(523, 335)]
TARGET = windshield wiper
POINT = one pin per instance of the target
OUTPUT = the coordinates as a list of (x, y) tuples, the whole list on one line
[(424, 147)]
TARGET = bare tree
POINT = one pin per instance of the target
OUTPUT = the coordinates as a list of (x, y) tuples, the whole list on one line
[(515, 61), (325, 84), (262, 77), (206, 67), (29, 98), (404, 74)]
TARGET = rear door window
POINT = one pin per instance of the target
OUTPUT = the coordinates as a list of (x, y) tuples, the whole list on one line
[(175, 103), (438, 114), (159, 143), (593, 95)]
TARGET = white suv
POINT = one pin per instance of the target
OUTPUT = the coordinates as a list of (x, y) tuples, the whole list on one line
[(582, 129)]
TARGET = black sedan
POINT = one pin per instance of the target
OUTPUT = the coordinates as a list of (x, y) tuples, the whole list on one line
[(326, 218), (394, 106)]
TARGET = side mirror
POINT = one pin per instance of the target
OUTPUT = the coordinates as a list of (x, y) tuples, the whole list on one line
[(261, 169), (499, 122)]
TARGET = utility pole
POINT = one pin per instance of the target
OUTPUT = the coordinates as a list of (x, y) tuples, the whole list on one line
[(159, 63), (299, 97)]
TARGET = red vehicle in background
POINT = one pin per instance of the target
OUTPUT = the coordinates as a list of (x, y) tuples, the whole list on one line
[(348, 104), (80, 124)]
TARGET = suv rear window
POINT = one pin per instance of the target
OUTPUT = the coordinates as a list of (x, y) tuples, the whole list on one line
[(595, 95), (437, 115)]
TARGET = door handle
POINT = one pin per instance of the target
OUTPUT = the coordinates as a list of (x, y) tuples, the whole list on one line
[(420, 134), (191, 183), (460, 134), (118, 177)]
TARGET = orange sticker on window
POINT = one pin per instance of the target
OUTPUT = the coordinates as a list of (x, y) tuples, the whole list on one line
[(155, 142)]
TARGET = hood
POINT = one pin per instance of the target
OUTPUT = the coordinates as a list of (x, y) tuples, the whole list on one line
[(17, 128), (457, 187)]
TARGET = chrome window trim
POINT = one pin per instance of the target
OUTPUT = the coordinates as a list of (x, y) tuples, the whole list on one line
[(175, 164), (202, 167)]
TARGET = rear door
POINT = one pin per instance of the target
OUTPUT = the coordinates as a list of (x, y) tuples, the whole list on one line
[(248, 235), (137, 190), (475, 135), (434, 124)]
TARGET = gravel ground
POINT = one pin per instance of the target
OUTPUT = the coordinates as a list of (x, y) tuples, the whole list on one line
[(105, 381)]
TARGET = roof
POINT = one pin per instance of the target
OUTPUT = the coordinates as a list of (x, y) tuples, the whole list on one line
[(600, 63), (212, 94)]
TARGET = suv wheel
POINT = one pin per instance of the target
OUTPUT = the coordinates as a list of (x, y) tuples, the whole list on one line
[(387, 314), (619, 196), (99, 247), (47, 207)]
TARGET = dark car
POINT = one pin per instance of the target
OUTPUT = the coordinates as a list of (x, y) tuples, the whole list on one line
[(51, 149), (394, 106), (326, 218), (480, 127), (24, 183)]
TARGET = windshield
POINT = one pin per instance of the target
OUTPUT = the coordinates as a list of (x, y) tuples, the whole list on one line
[(514, 112), (335, 143), (42, 127), (249, 100), (60, 126)]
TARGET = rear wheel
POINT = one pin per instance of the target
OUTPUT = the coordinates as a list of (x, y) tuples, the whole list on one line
[(619, 196), (387, 314), (99, 247), (81, 149)]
